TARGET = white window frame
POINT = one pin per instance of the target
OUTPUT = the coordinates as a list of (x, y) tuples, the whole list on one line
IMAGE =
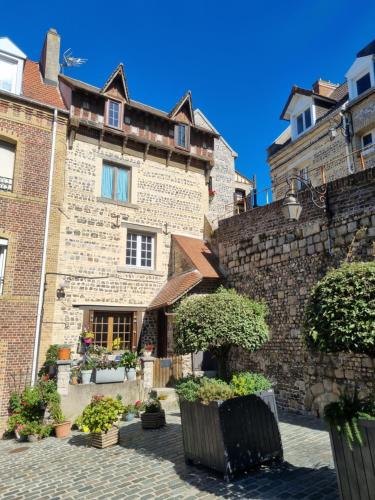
[(359, 68), (3, 256), (304, 120), (138, 264), (15, 63), (109, 101)]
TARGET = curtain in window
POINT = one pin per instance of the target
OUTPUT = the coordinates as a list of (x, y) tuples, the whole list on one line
[(122, 185), (107, 181)]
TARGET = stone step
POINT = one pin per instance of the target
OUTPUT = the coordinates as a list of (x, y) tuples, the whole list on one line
[(170, 403)]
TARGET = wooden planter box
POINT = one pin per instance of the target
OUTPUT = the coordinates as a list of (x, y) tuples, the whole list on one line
[(105, 439), (231, 436), (355, 469), (110, 375), (153, 420)]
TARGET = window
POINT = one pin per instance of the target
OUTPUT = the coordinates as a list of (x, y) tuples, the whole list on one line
[(3, 254), (8, 74), (115, 183), (113, 331), (181, 135), (304, 175), (363, 83), (140, 250), (304, 121), (367, 140), (113, 114), (7, 156)]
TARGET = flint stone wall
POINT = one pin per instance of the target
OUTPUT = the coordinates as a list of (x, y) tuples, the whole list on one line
[(270, 259)]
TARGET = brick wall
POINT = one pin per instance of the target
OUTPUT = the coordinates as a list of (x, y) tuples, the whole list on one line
[(270, 259), (22, 216)]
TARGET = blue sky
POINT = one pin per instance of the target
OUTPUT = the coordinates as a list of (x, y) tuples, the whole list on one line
[(238, 58)]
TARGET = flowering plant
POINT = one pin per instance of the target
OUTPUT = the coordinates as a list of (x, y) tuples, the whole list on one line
[(211, 193), (87, 336), (148, 347), (100, 414)]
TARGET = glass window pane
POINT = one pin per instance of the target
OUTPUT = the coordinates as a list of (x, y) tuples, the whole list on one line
[(367, 139), (299, 124), (363, 84), (113, 114), (307, 118), (181, 136), (8, 72)]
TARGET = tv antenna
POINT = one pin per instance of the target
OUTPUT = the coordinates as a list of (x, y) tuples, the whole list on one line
[(70, 61)]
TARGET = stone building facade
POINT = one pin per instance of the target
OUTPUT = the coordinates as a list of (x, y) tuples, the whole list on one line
[(268, 258), (115, 234), (331, 129), (32, 142)]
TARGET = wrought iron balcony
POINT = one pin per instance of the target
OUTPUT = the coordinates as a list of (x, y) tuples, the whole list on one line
[(6, 184)]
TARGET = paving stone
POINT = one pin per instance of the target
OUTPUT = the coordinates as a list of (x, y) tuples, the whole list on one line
[(150, 464)]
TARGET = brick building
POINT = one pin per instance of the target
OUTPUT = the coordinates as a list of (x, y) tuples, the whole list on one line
[(32, 145), (136, 178), (331, 129)]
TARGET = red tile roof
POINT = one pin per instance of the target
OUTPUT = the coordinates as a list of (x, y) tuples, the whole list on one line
[(175, 288), (199, 254), (36, 89)]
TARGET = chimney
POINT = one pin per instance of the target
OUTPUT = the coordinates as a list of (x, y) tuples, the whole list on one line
[(324, 87), (50, 57)]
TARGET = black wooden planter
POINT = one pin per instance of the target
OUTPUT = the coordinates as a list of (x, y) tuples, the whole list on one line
[(231, 436), (355, 469)]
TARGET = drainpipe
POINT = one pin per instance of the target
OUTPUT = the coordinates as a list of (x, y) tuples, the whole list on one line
[(38, 326), (347, 117)]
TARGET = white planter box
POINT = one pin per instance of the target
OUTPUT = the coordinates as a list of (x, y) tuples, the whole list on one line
[(110, 375)]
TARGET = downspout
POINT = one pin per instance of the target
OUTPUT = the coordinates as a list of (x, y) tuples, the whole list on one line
[(38, 326)]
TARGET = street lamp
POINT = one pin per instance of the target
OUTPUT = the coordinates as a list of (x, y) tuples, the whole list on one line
[(291, 207)]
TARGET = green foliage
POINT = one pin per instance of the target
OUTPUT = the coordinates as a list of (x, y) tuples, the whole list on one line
[(340, 315), (129, 359), (88, 364), (36, 429), (187, 388), (51, 358), (249, 383), (152, 405), (212, 389), (344, 415), (219, 320), (100, 414)]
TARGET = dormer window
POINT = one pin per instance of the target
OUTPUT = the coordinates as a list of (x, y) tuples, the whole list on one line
[(8, 74), (114, 113), (363, 83), (304, 121), (182, 135)]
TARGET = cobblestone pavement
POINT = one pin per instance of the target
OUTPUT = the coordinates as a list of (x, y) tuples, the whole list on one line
[(150, 464)]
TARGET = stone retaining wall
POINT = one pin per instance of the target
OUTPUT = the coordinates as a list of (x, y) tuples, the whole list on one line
[(268, 258)]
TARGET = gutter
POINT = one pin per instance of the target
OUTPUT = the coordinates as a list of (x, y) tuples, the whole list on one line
[(34, 369)]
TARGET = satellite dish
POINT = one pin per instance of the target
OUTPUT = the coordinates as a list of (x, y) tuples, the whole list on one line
[(70, 61)]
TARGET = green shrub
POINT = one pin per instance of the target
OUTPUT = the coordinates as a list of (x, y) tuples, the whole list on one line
[(100, 414), (340, 315), (249, 383), (36, 429), (217, 321), (187, 388), (212, 389), (129, 360)]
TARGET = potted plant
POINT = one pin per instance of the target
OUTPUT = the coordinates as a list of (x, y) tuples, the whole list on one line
[(138, 407), (87, 336), (108, 371), (49, 366), (61, 425), (339, 317), (129, 412), (153, 416), (86, 369), (241, 432), (74, 375), (63, 352), (147, 350), (34, 431), (100, 418), (129, 360)]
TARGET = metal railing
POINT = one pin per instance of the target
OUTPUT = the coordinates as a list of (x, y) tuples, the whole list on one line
[(6, 184)]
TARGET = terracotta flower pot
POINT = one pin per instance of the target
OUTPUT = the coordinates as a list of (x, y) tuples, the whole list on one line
[(63, 430), (63, 353)]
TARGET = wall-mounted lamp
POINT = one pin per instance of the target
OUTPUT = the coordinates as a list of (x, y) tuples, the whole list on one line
[(60, 292), (292, 208)]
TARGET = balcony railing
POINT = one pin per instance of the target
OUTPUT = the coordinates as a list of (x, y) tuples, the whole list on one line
[(6, 184)]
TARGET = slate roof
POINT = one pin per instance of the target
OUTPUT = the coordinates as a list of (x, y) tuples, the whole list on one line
[(369, 50), (34, 87)]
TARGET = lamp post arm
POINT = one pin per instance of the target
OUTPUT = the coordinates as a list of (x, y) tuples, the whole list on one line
[(318, 194)]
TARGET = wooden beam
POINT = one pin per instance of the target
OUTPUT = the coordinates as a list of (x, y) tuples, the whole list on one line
[(72, 136), (147, 146)]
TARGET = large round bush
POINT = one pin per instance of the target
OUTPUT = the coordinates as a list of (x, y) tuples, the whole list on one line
[(217, 321), (340, 315)]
